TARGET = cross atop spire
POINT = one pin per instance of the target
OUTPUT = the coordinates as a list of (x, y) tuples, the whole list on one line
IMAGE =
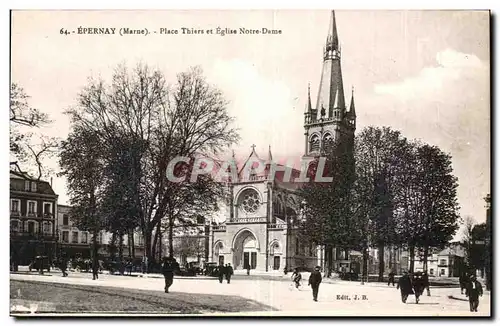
[(253, 147)]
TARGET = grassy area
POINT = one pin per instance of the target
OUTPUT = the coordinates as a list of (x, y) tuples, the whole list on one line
[(68, 298)]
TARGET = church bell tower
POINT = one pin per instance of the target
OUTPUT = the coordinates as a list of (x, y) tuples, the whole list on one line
[(329, 121)]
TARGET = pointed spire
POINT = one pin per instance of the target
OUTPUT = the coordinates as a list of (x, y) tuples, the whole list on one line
[(331, 88), (332, 40), (270, 155), (352, 110), (309, 107)]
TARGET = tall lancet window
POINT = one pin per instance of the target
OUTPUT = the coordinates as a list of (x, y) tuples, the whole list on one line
[(327, 142), (314, 143)]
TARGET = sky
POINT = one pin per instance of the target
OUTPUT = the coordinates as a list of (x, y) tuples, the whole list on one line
[(425, 73)]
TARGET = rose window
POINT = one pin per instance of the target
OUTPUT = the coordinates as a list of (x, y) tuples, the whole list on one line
[(250, 201)]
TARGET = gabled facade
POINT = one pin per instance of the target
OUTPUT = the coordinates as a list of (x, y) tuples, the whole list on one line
[(262, 214)]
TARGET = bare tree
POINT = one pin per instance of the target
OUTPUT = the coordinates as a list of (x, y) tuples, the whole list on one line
[(186, 119), (467, 238), (24, 149)]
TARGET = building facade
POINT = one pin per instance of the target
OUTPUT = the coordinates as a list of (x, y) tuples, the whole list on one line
[(33, 204), (74, 242), (447, 262), (264, 210)]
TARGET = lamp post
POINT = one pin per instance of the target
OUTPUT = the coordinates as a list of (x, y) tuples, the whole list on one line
[(488, 242), (287, 266)]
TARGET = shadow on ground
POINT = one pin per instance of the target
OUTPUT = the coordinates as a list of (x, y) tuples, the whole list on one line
[(69, 298)]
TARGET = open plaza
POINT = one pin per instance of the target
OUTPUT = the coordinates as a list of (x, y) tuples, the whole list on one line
[(261, 294)]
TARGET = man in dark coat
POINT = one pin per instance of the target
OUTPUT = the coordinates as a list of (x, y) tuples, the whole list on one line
[(314, 282), (168, 269), (474, 290), (95, 268), (63, 265), (221, 272), (391, 279), (425, 281), (418, 286), (406, 286), (229, 272)]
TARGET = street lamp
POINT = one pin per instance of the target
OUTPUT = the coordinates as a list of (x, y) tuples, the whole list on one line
[(488, 242)]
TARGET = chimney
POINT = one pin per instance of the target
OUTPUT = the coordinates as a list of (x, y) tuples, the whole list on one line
[(50, 182)]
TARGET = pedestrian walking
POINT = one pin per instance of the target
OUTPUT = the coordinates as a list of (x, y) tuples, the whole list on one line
[(474, 290), (315, 281), (129, 267), (296, 278), (168, 269), (95, 268), (248, 269), (63, 266), (229, 272), (418, 286), (391, 279), (221, 273), (425, 281), (406, 286)]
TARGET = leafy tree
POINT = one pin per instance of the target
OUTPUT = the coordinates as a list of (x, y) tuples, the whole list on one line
[(379, 154), (82, 162), (438, 195), (329, 208)]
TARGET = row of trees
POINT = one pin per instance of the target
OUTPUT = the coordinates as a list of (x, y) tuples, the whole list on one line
[(124, 135), (389, 191)]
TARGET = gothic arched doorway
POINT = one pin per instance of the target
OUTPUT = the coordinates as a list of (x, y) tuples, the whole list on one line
[(246, 248)]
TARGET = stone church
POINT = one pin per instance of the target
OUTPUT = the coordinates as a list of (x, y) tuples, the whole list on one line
[(260, 230)]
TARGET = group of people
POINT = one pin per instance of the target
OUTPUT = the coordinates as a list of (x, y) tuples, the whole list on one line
[(412, 284), (314, 280), (418, 282), (225, 271), (63, 262)]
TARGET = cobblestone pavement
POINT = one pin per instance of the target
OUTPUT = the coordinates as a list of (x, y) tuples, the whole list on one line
[(338, 299)]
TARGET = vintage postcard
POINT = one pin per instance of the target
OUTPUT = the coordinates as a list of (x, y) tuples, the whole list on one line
[(250, 163)]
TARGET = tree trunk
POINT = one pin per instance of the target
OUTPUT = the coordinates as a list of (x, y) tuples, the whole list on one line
[(132, 243), (381, 264), (426, 255), (120, 247), (95, 249), (171, 236), (147, 243), (112, 246), (412, 258), (160, 253), (365, 263), (129, 247), (154, 248)]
